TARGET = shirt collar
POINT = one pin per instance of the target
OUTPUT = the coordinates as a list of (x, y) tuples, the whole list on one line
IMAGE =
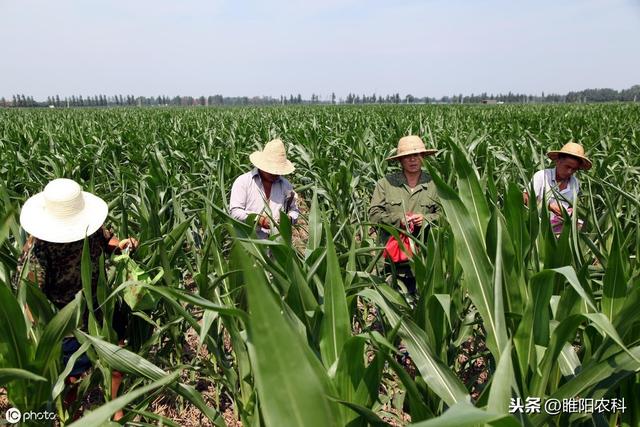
[(255, 173), (554, 181), (398, 179)]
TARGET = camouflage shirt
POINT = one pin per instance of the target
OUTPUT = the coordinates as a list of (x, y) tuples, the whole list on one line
[(56, 267)]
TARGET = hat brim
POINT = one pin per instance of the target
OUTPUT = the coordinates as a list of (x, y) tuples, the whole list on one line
[(427, 152), (257, 159), (36, 221), (585, 163)]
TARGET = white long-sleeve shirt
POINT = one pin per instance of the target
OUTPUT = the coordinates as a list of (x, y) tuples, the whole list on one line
[(544, 182), (248, 197)]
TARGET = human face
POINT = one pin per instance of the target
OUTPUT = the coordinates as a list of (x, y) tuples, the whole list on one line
[(566, 167), (411, 163), (268, 177)]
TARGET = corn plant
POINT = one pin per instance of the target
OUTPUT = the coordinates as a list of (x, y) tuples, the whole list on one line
[(304, 328)]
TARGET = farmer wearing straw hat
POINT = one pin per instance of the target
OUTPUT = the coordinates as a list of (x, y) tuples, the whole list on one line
[(407, 200), (263, 191), (58, 219), (558, 185)]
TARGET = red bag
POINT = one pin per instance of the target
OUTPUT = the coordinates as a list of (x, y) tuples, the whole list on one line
[(394, 252)]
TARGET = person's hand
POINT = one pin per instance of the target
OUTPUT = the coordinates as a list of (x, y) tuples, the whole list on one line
[(129, 243), (264, 221), (525, 198), (416, 219), (555, 208)]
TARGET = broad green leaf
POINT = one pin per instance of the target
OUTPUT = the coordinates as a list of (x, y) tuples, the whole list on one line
[(534, 326), (128, 362), (570, 274), (470, 192), (86, 269), (6, 223), (417, 407), (101, 415), (436, 374), (58, 387), (367, 414), (615, 281), (472, 255), (9, 374), (14, 330), (606, 329), (350, 370), (289, 389), (467, 415), (61, 325), (625, 362), (315, 226), (336, 327), (569, 361), (502, 382)]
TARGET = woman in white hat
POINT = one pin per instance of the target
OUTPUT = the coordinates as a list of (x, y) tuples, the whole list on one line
[(558, 185), (57, 220), (263, 191), (407, 200)]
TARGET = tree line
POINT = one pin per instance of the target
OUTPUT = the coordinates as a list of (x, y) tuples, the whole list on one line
[(588, 95)]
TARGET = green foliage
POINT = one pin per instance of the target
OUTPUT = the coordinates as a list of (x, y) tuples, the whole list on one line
[(302, 328)]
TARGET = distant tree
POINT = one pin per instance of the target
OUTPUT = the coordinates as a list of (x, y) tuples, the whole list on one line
[(333, 97), (631, 94)]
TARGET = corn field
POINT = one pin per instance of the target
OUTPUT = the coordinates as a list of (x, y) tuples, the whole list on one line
[(304, 329)]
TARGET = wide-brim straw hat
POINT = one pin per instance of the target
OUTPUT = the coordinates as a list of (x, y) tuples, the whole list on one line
[(411, 144), (572, 149), (63, 213), (272, 159)]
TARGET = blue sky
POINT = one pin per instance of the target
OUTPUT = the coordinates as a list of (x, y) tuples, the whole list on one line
[(424, 48)]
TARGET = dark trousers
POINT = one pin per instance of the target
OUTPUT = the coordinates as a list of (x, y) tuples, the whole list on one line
[(403, 274)]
